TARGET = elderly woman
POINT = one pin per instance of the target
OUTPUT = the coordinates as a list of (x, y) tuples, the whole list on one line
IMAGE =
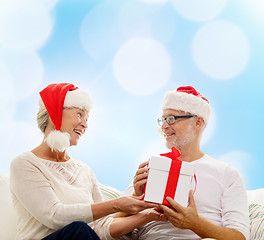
[(55, 195)]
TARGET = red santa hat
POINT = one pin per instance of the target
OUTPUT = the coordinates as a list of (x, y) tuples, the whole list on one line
[(55, 97), (187, 99)]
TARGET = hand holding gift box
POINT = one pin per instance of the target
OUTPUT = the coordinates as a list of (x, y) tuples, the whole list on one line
[(169, 177)]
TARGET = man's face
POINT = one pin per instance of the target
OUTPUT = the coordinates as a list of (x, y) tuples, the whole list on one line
[(179, 134)]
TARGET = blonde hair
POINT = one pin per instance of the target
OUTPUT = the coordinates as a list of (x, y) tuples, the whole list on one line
[(42, 118)]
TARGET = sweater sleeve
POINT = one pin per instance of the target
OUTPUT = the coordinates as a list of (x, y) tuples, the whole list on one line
[(35, 194), (102, 225), (234, 202)]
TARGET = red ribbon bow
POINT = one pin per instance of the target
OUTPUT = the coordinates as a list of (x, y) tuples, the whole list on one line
[(174, 154)]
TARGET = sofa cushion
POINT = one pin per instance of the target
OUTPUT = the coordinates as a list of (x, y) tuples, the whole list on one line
[(7, 220), (256, 215), (109, 192)]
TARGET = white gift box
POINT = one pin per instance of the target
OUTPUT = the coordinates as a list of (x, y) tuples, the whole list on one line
[(158, 187)]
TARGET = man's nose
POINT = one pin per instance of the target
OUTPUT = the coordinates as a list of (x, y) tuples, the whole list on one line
[(164, 125)]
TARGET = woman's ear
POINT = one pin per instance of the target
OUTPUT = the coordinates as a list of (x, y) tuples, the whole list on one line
[(50, 126)]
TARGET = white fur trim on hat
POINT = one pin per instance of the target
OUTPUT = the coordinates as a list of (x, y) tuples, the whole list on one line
[(78, 98), (186, 102), (58, 140)]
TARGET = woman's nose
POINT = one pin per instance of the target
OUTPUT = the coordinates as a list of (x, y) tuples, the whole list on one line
[(84, 124)]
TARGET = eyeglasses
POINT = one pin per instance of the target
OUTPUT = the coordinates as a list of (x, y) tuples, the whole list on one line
[(172, 119)]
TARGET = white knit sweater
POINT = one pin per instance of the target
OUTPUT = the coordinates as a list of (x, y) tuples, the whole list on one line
[(48, 195)]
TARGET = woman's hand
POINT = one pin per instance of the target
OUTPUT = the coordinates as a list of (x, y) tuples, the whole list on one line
[(123, 225), (132, 205), (155, 214), (140, 179)]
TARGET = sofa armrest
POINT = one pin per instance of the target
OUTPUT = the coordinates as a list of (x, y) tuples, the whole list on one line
[(109, 192), (256, 196), (8, 217)]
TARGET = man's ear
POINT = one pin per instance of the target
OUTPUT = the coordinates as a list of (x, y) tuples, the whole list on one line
[(199, 122)]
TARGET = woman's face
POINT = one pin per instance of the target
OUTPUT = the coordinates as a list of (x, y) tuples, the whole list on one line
[(74, 122)]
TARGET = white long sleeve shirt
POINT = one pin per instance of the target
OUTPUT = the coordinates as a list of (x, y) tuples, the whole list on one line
[(220, 198), (49, 195)]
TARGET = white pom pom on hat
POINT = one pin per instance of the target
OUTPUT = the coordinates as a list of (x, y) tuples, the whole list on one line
[(187, 99), (58, 140), (55, 97)]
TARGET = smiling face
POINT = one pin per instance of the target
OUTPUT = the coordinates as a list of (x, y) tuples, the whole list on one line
[(74, 122), (181, 133)]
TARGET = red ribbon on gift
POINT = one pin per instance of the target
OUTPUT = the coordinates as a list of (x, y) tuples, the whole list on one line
[(174, 174), (173, 155)]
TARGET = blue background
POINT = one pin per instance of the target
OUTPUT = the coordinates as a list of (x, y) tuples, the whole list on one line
[(127, 54)]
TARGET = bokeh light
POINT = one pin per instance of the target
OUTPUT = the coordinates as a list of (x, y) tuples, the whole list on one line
[(21, 130), (153, 149), (221, 50), (135, 20), (142, 66), (257, 8), (6, 80), (7, 130), (127, 54), (199, 10), (49, 4), (154, 1), (24, 25), (27, 72), (240, 160), (98, 34)]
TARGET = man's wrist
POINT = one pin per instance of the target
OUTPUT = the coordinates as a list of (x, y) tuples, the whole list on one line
[(136, 194), (197, 225)]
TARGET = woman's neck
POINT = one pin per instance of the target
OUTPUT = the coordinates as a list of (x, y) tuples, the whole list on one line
[(44, 151)]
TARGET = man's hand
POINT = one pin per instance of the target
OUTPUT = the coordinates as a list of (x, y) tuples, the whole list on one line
[(188, 218), (181, 217), (140, 179)]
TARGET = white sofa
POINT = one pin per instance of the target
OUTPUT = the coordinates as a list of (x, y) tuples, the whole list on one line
[(8, 222)]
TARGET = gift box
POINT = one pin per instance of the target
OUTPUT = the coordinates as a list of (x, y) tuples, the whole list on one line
[(169, 177)]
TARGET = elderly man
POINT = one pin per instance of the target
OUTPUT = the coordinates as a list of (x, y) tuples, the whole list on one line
[(218, 209)]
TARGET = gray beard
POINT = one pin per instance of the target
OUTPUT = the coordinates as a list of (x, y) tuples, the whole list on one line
[(180, 143)]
